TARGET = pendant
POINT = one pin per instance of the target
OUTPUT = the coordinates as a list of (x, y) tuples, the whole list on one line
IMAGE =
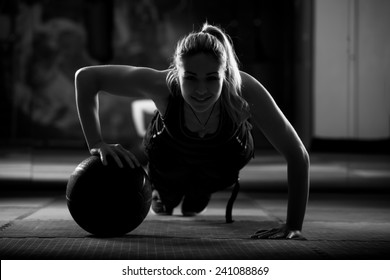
[(202, 133)]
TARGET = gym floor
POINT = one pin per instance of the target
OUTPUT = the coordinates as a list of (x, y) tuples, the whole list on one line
[(348, 215)]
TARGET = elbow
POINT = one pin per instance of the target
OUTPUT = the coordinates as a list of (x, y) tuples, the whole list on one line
[(86, 82), (299, 158), (305, 157), (81, 74), (78, 77)]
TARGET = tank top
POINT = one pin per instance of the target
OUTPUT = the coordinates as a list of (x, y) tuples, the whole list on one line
[(180, 160)]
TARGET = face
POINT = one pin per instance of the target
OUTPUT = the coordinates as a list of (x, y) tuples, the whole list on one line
[(201, 79)]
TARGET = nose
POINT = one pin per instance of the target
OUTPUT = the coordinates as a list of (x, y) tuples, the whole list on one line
[(201, 89), (201, 92)]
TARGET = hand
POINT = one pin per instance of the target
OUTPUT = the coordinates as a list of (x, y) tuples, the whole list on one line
[(281, 232), (117, 152)]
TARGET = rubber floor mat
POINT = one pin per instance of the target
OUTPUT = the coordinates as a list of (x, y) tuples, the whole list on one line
[(164, 228), (173, 238)]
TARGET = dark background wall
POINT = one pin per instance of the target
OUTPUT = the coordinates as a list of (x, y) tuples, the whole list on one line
[(44, 42)]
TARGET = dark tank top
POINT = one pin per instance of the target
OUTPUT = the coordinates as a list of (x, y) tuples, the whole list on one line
[(180, 160)]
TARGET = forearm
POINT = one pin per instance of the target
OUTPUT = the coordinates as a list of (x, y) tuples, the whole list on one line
[(88, 108), (298, 192)]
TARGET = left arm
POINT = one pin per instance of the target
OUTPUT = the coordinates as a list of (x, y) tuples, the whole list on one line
[(278, 130)]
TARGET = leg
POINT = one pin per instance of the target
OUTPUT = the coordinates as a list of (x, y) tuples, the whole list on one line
[(194, 203), (163, 201)]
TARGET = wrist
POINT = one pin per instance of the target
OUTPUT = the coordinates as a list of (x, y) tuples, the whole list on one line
[(293, 226)]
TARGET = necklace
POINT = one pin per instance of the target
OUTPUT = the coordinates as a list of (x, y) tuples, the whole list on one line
[(203, 131)]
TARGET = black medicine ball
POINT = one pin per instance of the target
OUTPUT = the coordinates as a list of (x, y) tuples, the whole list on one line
[(108, 200)]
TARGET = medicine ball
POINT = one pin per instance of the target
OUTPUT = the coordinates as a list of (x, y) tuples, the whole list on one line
[(108, 200)]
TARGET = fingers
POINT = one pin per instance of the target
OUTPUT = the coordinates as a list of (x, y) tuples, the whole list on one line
[(117, 153), (278, 233), (269, 234), (100, 149), (116, 158), (129, 157)]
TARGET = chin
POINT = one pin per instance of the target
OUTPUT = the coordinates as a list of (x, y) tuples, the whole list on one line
[(200, 108)]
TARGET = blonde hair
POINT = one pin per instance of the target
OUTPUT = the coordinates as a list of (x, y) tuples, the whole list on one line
[(213, 40)]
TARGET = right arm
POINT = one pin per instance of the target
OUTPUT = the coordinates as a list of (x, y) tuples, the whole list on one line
[(118, 80)]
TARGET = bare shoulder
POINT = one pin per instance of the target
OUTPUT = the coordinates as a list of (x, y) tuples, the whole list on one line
[(153, 85), (150, 75), (149, 80), (268, 117), (247, 79), (266, 113), (253, 91), (149, 83)]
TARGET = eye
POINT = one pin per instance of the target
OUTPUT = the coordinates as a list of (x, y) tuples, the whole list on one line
[(189, 78), (213, 78)]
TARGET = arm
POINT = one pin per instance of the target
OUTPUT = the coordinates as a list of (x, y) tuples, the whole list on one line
[(119, 80), (278, 130)]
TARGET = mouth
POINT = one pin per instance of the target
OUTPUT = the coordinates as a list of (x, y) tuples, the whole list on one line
[(201, 99)]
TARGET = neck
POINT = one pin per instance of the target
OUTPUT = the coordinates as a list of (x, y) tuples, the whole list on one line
[(204, 116), (202, 122)]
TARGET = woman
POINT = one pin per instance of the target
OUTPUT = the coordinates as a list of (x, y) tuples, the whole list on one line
[(200, 137)]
